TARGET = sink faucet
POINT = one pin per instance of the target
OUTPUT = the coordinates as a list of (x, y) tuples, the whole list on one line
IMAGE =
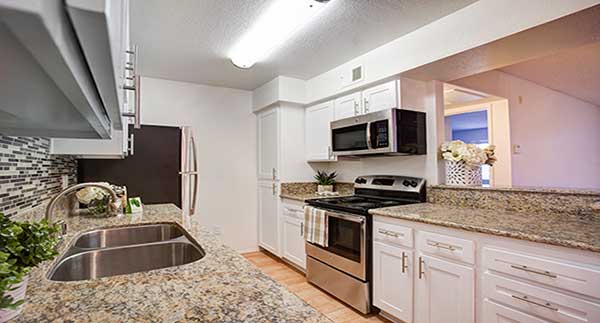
[(112, 203)]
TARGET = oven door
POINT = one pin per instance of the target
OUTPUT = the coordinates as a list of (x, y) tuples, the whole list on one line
[(372, 133), (347, 248)]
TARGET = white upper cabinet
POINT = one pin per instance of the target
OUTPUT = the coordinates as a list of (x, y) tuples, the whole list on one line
[(380, 97), (444, 291), (318, 133), (348, 106), (268, 146), (47, 89)]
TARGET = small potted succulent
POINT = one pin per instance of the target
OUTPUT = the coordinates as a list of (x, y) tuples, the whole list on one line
[(23, 246), (325, 181)]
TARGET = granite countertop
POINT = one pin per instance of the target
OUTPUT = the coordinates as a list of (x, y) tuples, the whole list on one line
[(307, 196), (221, 287), (573, 231)]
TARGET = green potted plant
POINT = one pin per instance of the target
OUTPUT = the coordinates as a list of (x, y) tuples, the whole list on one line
[(325, 181), (23, 246)]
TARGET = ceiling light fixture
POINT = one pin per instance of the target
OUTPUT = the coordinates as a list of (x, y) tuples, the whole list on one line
[(277, 24)]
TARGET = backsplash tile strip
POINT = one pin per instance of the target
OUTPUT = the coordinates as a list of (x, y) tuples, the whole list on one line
[(29, 175)]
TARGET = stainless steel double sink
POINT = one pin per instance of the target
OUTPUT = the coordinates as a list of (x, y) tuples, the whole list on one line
[(125, 250)]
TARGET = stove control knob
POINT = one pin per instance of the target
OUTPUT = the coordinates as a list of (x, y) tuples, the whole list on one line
[(413, 183), (360, 180), (406, 183)]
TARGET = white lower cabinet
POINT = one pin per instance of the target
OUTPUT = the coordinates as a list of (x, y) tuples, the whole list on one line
[(268, 233), (393, 280), (497, 313), (517, 281), (292, 243), (444, 291)]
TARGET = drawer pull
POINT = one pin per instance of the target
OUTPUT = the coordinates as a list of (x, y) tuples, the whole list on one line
[(441, 245), (389, 233), (534, 271), (421, 263), (404, 264), (526, 299)]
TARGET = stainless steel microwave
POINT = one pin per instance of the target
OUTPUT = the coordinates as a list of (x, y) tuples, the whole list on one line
[(385, 132)]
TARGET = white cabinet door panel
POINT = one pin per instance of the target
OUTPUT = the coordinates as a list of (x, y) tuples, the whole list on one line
[(293, 241), (348, 106), (393, 280), (267, 215), (318, 133), (268, 153), (445, 291), (381, 97)]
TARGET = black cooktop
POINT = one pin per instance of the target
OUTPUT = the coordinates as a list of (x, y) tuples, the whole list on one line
[(356, 204)]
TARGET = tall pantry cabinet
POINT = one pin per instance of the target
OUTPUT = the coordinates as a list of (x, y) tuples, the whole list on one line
[(280, 159)]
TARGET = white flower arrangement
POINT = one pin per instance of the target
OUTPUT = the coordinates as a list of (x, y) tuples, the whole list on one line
[(472, 155), (91, 193)]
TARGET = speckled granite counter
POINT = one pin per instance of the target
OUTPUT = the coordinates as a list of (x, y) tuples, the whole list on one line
[(303, 191), (221, 287), (574, 231)]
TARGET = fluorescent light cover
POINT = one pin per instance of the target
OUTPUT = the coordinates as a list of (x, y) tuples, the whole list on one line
[(274, 26)]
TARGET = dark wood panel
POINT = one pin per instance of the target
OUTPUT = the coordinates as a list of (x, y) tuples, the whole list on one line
[(151, 173)]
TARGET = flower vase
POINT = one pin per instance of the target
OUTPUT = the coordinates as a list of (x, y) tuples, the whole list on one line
[(460, 174), (17, 293)]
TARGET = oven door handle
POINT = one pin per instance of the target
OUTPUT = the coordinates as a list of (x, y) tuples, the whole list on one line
[(369, 135), (351, 218)]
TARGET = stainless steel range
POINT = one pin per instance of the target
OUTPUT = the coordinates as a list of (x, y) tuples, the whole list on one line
[(343, 268)]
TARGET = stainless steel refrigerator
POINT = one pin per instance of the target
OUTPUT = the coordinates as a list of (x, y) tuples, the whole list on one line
[(162, 167)]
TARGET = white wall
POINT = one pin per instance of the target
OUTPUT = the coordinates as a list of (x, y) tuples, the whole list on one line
[(559, 134), (225, 129), (460, 31)]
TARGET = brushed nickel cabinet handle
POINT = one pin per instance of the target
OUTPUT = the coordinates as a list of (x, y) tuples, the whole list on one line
[(388, 233), (274, 173), (366, 104), (441, 245), (274, 188), (301, 229), (131, 144), (356, 112), (404, 265), (526, 299), (421, 263), (534, 271)]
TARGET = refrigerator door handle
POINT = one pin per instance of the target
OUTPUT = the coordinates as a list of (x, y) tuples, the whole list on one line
[(194, 173)]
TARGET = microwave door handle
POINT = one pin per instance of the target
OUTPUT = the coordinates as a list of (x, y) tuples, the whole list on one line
[(369, 135)]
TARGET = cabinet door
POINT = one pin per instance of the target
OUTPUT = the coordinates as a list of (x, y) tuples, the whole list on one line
[(267, 216), (268, 144), (318, 133), (393, 280), (292, 247), (348, 106), (381, 97), (444, 291)]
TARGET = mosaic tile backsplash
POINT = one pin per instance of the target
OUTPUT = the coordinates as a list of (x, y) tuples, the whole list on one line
[(29, 175)]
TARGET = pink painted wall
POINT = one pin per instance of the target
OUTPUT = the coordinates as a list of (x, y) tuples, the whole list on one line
[(559, 134)]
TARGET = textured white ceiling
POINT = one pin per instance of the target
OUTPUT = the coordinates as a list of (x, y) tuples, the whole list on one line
[(188, 40), (575, 72)]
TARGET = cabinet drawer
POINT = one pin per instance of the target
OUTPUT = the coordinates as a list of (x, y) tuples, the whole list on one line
[(577, 278), (446, 246), (542, 302), (293, 209), (393, 233), (493, 312)]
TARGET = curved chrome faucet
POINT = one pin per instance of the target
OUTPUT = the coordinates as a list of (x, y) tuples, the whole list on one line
[(112, 203)]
